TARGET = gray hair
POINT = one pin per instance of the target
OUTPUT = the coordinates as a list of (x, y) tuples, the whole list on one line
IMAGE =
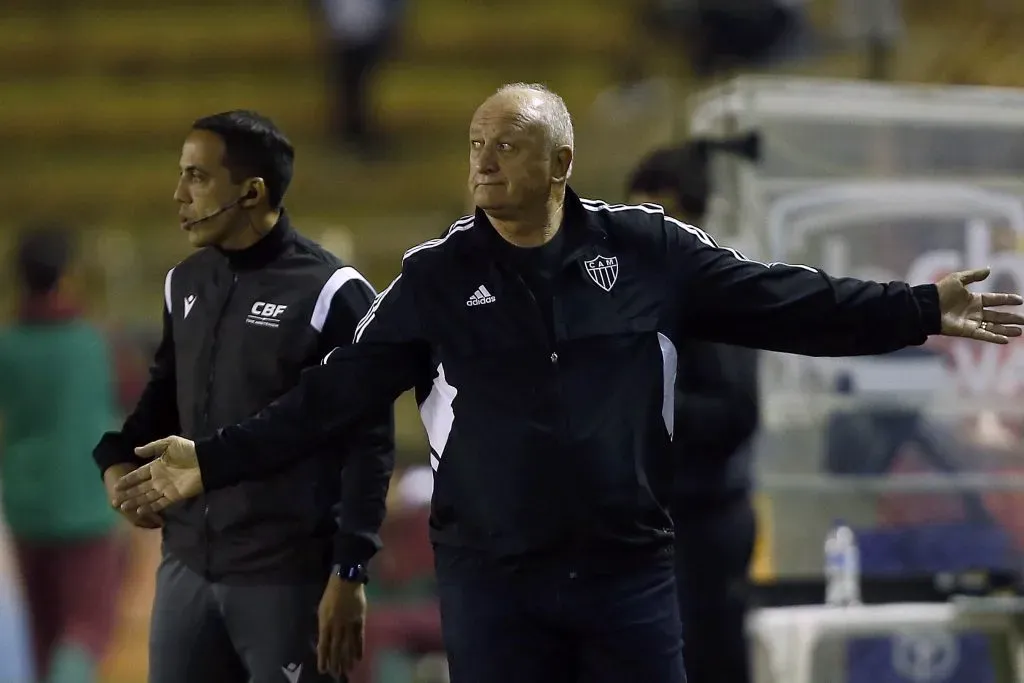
[(553, 115)]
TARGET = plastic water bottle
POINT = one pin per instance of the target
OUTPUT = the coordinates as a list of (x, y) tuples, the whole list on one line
[(842, 567)]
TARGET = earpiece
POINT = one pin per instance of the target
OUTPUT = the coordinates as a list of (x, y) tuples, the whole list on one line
[(253, 192)]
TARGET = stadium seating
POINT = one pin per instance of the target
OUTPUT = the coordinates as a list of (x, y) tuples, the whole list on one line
[(96, 99)]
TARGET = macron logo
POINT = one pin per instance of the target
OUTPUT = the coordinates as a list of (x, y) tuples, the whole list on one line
[(293, 672), (480, 297), (190, 301)]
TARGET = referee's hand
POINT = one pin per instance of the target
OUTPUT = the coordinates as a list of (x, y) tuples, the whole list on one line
[(342, 618), (111, 476), (172, 475)]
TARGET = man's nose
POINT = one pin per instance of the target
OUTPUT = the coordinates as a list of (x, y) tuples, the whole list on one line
[(487, 161), (180, 194)]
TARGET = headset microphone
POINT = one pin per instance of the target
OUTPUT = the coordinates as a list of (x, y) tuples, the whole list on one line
[(230, 205)]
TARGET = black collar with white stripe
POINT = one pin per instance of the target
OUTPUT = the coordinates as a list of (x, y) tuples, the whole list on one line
[(582, 234)]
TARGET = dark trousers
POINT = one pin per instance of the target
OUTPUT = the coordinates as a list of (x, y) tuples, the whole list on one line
[(714, 545), (203, 631), (546, 625)]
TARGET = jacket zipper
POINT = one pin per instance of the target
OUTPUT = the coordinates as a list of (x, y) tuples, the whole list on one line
[(571, 570), (550, 333), (211, 377)]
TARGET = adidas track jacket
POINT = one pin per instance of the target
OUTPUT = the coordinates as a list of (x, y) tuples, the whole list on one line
[(552, 438)]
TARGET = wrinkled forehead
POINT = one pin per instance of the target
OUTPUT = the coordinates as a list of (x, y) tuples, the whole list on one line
[(507, 113)]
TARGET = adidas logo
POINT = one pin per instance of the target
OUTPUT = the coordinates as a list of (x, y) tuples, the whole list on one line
[(480, 297)]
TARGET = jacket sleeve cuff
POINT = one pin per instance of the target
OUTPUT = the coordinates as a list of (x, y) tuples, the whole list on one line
[(350, 550), (108, 452), (927, 298), (214, 468)]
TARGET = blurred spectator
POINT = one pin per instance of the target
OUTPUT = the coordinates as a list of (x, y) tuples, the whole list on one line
[(58, 394), (675, 178), (358, 36), (716, 415), (724, 35), (878, 24), (404, 618), (14, 645), (878, 438)]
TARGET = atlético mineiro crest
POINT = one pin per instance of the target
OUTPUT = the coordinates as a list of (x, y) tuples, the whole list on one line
[(603, 270)]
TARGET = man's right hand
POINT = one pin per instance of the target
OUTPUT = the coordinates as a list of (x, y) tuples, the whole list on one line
[(111, 476), (967, 314)]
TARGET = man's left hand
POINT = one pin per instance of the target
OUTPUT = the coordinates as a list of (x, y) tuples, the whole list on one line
[(342, 617), (171, 475), (966, 314)]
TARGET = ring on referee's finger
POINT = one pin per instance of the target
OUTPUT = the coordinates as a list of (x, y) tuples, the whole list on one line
[(984, 327)]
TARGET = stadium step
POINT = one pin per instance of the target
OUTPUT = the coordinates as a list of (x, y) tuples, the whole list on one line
[(97, 99), (278, 39), (422, 97)]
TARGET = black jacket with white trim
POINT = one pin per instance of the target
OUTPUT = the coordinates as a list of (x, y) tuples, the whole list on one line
[(559, 440), (239, 327)]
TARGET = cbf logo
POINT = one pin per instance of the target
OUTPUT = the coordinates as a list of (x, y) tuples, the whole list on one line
[(265, 314), (925, 656), (604, 271)]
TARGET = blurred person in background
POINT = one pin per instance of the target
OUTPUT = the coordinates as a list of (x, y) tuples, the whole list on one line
[(405, 620), (15, 640), (58, 396), (716, 415), (358, 35), (246, 569)]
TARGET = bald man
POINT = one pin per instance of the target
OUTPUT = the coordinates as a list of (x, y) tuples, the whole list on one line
[(539, 334)]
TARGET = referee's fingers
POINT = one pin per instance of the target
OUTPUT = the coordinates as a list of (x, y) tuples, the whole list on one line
[(323, 648), (349, 656), (360, 635), (339, 655)]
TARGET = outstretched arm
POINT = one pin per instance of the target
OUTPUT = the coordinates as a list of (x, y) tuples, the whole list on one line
[(799, 309), (385, 359)]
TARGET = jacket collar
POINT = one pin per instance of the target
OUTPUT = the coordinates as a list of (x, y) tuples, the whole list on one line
[(263, 251), (583, 233)]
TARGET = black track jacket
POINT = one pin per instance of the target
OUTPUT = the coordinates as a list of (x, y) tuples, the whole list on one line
[(239, 327), (551, 438)]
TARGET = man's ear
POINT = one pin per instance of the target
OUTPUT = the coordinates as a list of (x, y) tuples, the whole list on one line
[(561, 165), (255, 190)]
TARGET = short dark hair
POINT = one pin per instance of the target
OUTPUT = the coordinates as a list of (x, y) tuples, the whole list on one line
[(43, 254), (253, 147), (681, 170)]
